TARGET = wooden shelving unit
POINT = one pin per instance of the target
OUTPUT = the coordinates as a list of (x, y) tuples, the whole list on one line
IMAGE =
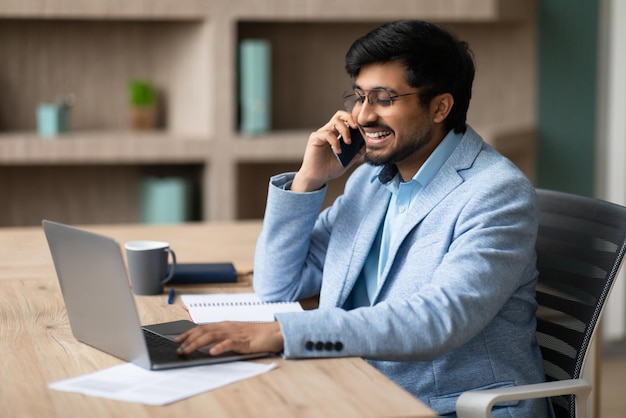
[(188, 48), (102, 147)]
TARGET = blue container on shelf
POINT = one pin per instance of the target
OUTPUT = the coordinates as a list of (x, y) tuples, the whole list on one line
[(165, 200), (52, 119)]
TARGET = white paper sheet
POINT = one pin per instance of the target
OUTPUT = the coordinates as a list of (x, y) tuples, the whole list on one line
[(131, 383)]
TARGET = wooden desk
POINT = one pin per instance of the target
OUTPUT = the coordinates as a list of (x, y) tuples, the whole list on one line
[(37, 347)]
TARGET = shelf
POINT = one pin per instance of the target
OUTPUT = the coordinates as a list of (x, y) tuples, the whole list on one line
[(95, 61), (101, 147), (354, 10), (310, 104), (343, 10), (105, 9), (275, 146)]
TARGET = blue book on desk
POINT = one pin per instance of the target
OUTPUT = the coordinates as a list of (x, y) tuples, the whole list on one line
[(202, 273)]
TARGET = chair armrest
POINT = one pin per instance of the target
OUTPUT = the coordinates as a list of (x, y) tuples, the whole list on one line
[(478, 404)]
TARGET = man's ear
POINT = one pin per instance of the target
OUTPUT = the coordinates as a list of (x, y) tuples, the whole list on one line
[(441, 106)]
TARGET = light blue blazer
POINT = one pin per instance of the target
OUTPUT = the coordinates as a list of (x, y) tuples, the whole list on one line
[(456, 307)]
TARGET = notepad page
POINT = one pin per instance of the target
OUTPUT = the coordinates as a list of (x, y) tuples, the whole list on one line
[(245, 307)]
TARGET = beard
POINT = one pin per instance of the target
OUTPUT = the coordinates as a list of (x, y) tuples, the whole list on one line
[(406, 149)]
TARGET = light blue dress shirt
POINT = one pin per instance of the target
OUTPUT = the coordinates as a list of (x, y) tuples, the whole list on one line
[(403, 195)]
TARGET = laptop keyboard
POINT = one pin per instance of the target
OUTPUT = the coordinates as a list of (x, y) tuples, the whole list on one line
[(163, 350)]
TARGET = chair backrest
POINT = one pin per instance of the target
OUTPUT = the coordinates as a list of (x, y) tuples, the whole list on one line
[(580, 246)]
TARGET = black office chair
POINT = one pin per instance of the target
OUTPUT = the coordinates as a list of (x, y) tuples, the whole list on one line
[(580, 247)]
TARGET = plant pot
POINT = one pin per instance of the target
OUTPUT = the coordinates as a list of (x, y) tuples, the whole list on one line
[(142, 118)]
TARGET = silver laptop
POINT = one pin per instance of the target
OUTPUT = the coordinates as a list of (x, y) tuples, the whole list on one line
[(101, 307)]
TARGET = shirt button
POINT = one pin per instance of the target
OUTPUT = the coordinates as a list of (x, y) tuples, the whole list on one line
[(401, 209)]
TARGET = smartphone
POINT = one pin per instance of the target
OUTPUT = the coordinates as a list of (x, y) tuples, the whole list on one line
[(348, 151)]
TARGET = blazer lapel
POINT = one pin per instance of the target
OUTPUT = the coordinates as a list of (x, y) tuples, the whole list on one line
[(442, 184), (361, 243)]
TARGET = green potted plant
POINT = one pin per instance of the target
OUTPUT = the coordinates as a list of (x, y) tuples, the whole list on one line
[(142, 98)]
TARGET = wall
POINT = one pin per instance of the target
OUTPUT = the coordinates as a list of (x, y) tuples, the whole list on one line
[(582, 112), (611, 140), (566, 95)]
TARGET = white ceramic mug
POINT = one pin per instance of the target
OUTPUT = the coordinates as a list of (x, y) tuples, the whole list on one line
[(147, 265)]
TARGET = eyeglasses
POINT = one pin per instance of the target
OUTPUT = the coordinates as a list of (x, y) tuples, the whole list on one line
[(379, 97)]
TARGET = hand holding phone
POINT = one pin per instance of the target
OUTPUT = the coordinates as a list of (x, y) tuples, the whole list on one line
[(348, 151)]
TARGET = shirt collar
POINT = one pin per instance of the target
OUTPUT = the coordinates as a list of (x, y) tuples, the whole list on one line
[(388, 174)]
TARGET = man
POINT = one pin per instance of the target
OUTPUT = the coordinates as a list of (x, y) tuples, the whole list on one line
[(425, 266)]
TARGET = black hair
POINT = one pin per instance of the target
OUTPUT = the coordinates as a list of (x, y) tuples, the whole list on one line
[(436, 62)]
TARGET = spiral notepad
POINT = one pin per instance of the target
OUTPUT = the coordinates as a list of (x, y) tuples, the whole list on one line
[(245, 307)]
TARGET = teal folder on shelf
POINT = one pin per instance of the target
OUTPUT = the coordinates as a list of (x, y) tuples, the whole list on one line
[(255, 57), (165, 200)]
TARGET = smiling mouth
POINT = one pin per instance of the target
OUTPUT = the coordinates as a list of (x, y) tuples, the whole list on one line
[(378, 136)]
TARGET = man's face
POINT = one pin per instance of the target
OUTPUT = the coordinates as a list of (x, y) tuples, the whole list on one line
[(400, 133)]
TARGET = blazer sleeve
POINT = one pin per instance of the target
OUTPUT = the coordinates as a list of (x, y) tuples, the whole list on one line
[(291, 249)]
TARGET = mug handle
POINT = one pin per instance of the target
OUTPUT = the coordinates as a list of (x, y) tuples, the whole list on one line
[(171, 272)]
